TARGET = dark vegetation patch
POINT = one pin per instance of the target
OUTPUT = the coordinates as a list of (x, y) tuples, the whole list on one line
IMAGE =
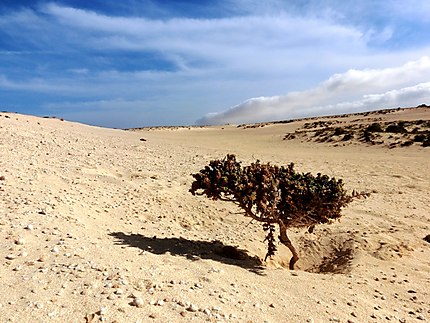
[(369, 131), (252, 126), (375, 127)]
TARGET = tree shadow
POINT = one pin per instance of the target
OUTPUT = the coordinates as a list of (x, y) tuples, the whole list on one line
[(192, 250)]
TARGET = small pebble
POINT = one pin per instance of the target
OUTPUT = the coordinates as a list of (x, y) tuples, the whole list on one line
[(159, 302), (29, 227), (192, 308), (20, 241), (55, 249), (181, 303), (138, 302), (103, 310)]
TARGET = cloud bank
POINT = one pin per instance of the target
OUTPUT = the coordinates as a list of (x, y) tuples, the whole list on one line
[(352, 91)]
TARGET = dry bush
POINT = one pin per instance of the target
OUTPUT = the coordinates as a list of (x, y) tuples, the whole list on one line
[(275, 195)]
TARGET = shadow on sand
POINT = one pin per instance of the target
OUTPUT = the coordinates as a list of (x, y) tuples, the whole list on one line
[(192, 250)]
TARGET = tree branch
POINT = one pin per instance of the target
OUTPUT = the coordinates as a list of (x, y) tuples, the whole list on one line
[(283, 237)]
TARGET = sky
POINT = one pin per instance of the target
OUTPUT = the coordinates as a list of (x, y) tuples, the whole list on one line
[(136, 63)]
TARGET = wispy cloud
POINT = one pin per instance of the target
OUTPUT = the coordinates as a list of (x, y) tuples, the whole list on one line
[(232, 41), (347, 92)]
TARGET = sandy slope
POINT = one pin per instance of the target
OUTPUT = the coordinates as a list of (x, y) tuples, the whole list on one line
[(92, 218)]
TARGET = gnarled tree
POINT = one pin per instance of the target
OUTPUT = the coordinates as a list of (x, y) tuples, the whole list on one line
[(275, 195)]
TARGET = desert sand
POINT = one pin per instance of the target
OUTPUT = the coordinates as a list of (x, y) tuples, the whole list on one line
[(98, 225)]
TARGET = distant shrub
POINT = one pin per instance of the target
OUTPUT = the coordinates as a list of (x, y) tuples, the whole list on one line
[(274, 195), (374, 127), (407, 143), (368, 137), (347, 137), (419, 138), (395, 128), (289, 136), (338, 131)]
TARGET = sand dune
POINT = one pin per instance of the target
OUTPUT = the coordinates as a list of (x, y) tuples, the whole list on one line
[(98, 224)]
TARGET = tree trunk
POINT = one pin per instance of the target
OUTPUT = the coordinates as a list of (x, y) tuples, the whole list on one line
[(287, 242)]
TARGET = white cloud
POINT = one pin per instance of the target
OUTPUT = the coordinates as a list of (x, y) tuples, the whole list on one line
[(37, 85), (341, 93), (265, 42), (404, 97), (79, 71)]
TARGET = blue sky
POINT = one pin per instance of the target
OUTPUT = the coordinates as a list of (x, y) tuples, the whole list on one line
[(135, 63)]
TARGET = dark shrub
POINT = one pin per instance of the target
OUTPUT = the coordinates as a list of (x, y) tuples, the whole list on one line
[(407, 143), (367, 136), (374, 127), (338, 131), (394, 128), (290, 136), (419, 138), (274, 195), (347, 137)]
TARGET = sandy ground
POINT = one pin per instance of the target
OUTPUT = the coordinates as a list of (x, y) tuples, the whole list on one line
[(98, 225)]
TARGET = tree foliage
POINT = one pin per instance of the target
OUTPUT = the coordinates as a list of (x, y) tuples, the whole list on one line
[(275, 195)]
